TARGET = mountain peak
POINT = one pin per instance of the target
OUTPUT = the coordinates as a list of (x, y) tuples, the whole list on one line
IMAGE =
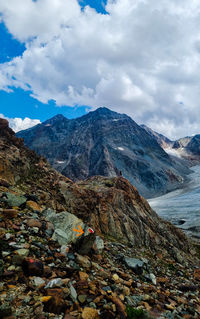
[(104, 112)]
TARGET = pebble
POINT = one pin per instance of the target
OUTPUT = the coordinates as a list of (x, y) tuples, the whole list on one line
[(73, 292), (57, 282), (38, 281), (90, 313), (23, 252)]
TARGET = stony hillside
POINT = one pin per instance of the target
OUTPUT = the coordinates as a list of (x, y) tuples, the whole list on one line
[(104, 143), (128, 263)]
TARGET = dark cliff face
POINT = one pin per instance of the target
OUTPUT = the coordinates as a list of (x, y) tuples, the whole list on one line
[(104, 143), (194, 145)]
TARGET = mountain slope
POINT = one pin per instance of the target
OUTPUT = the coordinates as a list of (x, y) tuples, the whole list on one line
[(104, 143), (162, 140)]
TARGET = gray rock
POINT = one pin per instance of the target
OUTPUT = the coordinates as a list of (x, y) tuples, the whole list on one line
[(63, 250), (38, 281), (135, 264), (57, 282), (73, 292), (23, 252), (64, 224), (13, 200), (98, 245), (151, 277)]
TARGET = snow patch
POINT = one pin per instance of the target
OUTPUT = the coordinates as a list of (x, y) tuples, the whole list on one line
[(173, 152), (120, 148), (60, 162), (48, 125)]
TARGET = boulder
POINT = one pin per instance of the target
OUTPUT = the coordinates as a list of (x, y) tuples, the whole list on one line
[(13, 200), (64, 224), (135, 264)]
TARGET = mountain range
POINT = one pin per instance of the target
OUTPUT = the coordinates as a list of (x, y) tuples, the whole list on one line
[(187, 148), (106, 143)]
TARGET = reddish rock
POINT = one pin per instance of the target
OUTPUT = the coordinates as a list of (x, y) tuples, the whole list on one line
[(33, 223), (10, 213), (57, 303), (32, 267), (33, 206)]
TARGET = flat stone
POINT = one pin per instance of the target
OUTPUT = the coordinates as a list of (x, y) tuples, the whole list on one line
[(13, 200), (73, 292), (135, 264), (10, 213), (57, 282), (23, 252), (38, 281), (33, 223)]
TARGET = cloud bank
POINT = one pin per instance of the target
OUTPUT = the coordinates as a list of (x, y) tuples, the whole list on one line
[(18, 124), (142, 58)]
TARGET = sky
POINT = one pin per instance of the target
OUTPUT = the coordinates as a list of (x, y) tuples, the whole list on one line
[(137, 57)]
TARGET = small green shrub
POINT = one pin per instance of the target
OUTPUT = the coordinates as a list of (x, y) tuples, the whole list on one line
[(134, 313)]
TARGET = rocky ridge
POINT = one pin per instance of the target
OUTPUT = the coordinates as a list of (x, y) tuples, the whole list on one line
[(134, 265)]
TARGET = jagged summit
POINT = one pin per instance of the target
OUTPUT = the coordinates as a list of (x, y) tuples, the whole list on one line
[(57, 117)]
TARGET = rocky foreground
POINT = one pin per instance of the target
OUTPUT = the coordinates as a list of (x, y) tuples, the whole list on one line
[(134, 265)]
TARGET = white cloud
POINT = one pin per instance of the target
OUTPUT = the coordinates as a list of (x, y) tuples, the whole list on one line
[(18, 124), (143, 58)]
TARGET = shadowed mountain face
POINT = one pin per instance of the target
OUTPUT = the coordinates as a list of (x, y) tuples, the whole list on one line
[(104, 143)]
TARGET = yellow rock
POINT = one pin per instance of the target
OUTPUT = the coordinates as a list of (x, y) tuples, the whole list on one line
[(10, 213), (126, 291), (90, 313), (45, 298), (33, 205), (115, 277), (83, 275)]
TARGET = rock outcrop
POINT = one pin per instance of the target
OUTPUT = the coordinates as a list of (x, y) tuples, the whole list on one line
[(106, 143)]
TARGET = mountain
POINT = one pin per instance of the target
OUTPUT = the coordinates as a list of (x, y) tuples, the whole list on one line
[(104, 143), (46, 270), (162, 140), (185, 150)]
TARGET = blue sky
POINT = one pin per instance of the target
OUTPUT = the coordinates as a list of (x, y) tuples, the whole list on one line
[(19, 103)]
